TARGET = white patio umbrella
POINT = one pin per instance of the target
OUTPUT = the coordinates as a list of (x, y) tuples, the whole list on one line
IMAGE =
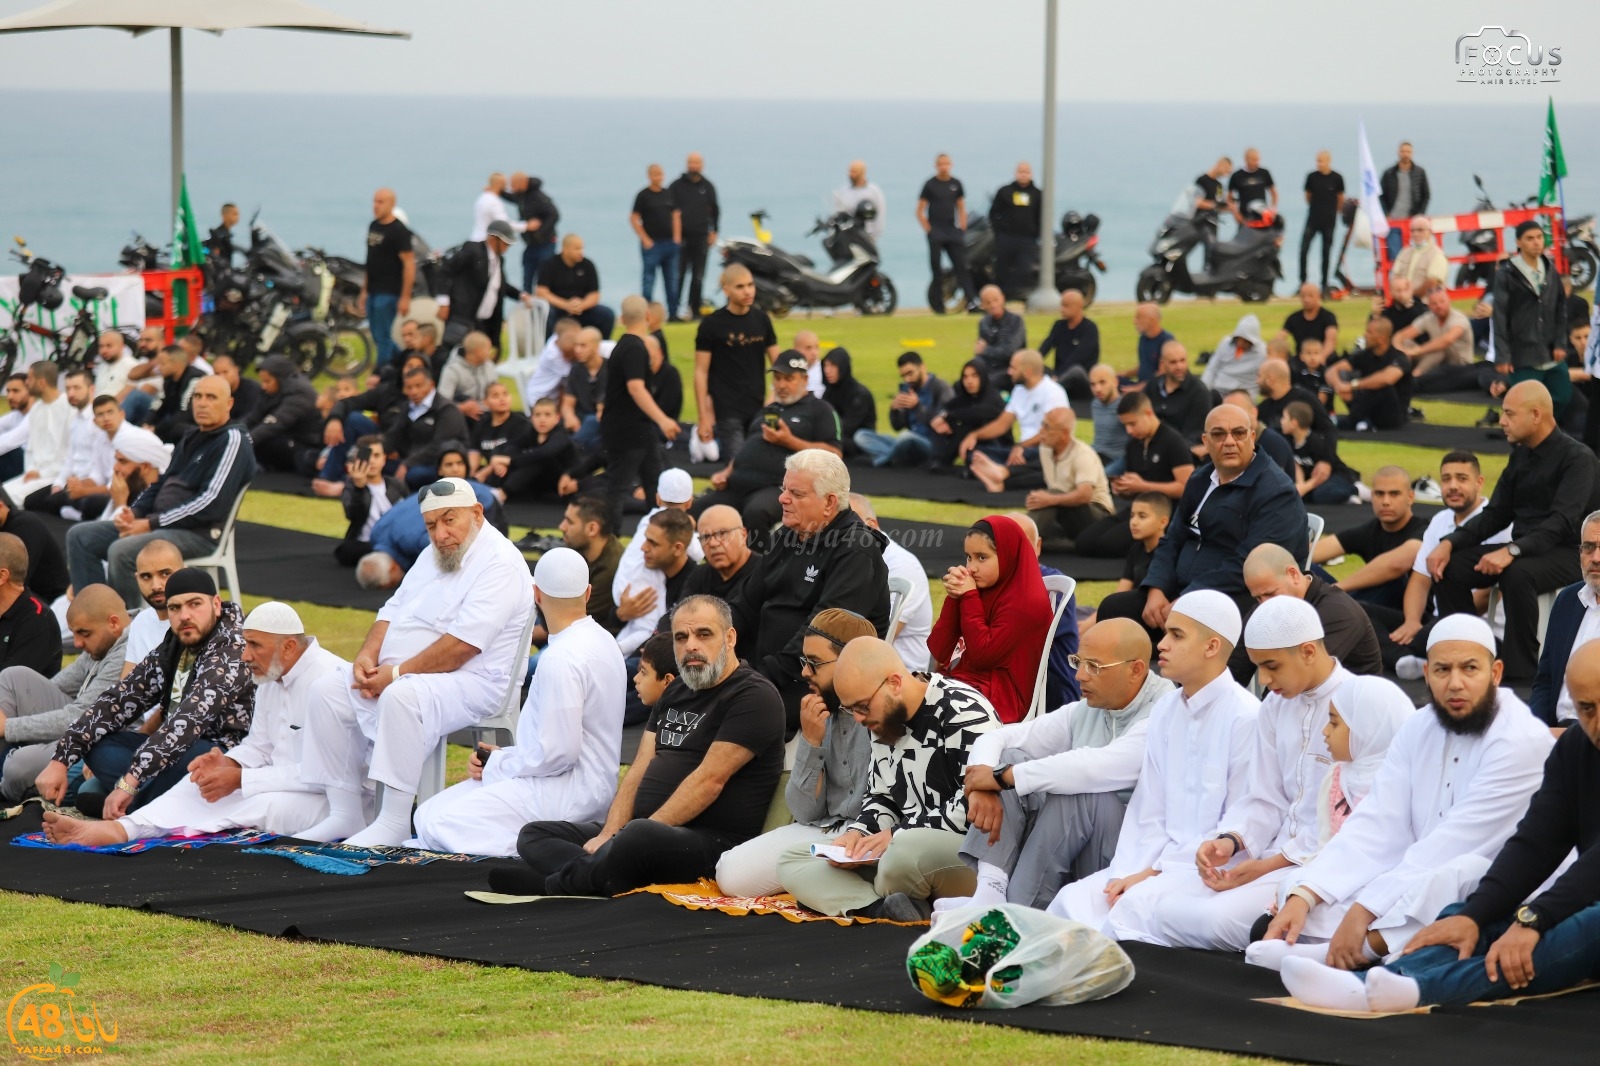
[(140, 17)]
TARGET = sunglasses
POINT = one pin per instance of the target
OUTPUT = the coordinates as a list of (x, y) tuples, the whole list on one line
[(442, 489), (808, 663)]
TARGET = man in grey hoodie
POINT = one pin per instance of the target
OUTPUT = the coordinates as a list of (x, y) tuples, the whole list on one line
[(36, 710), (1237, 359)]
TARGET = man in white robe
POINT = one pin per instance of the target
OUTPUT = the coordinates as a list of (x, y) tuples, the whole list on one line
[(570, 730), (1196, 763), (440, 657), (255, 784), (1451, 791)]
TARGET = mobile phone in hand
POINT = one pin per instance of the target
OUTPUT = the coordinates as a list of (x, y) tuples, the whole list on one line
[(483, 754)]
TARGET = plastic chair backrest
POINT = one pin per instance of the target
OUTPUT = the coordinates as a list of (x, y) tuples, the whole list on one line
[(1314, 527), (899, 592), (1061, 587)]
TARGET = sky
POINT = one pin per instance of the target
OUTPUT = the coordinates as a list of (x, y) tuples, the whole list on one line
[(1149, 50)]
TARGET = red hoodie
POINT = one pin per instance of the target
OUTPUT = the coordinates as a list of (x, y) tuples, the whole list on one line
[(1004, 627)]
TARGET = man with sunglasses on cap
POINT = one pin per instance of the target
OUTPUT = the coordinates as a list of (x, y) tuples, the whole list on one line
[(197, 682), (256, 784), (832, 755), (439, 658)]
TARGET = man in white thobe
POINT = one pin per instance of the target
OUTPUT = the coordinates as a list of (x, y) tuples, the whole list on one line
[(440, 657), (1450, 793), (570, 729), (1196, 763)]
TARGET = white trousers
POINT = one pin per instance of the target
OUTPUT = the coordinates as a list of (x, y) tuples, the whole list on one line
[(1085, 901), (1188, 914), (181, 807), (394, 734), (485, 819), (751, 869)]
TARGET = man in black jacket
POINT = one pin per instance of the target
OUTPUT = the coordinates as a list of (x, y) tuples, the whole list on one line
[(476, 284), (539, 217), (430, 422), (696, 200), (1530, 318), (29, 633), (1016, 215), (188, 504), (1180, 399), (286, 430), (171, 418), (1402, 192), (47, 566)]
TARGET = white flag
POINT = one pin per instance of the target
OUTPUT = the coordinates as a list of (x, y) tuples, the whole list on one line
[(1371, 202)]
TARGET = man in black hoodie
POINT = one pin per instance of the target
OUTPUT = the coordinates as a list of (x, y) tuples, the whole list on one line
[(286, 428), (539, 217), (850, 400), (824, 556)]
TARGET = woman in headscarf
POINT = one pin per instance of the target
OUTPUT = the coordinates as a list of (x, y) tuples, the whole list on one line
[(991, 631), (850, 400), (974, 404)]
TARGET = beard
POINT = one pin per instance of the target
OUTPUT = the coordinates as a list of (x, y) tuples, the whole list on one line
[(1476, 722), (136, 485), (273, 672), (158, 600), (450, 561), (893, 726), (703, 675)]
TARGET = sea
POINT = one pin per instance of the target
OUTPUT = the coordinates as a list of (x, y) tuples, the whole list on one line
[(81, 171)]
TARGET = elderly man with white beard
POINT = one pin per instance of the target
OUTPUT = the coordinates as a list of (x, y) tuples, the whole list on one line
[(439, 658), (256, 784)]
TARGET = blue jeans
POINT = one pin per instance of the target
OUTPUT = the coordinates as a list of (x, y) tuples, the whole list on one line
[(588, 436), (894, 449), (533, 257), (1336, 489), (381, 309), (356, 426), (96, 554), (1394, 243), (111, 757), (663, 256), (1567, 954)]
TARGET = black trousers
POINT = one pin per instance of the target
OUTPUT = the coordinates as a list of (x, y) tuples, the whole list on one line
[(636, 464), (52, 502), (1521, 584), (952, 243), (1316, 228), (642, 853), (1379, 408), (1014, 259), (692, 270), (1109, 538), (1386, 620)]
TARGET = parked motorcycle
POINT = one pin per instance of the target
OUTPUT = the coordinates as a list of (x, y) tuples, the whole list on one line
[(785, 280), (1245, 265), (266, 306), (1582, 246), (138, 256), (339, 282), (1075, 255)]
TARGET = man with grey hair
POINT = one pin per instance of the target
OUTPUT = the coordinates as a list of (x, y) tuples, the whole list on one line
[(1574, 622), (823, 556), (701, 783), (1422, 263), (439, 658)]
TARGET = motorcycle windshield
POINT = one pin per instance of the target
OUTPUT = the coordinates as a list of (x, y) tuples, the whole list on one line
[(1184, 208), (272, 251)]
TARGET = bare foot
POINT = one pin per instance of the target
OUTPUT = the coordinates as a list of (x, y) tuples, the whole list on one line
[(59, 829), (991, 473)]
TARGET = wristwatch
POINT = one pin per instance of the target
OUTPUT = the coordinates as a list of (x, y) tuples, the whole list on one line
[(1000, 777), (1528, 917), (1514, 551)]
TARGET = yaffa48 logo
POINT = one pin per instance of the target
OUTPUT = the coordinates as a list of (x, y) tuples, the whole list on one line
[(47, 1021)]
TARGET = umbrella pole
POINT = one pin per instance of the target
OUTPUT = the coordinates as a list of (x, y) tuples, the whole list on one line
[(175, 50)]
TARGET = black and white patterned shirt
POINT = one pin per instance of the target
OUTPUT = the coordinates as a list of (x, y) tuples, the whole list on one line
[(915, 783)]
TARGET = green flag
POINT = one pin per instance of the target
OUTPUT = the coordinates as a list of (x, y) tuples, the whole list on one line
[(186, 248), (1554, 165)]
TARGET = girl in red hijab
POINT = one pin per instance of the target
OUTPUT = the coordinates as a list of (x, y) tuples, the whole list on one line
[(997, 615)]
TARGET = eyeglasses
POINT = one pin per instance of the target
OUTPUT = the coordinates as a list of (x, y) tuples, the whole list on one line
[(861, 710), (808, 663), (715, 535), (1589, 547), (1090, 667), (1238, 433)]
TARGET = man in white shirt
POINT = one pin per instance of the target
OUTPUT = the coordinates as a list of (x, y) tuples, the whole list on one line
[(488, 207), (1454, 785), (1046, 798), (113, 366), (439, 658), (156, 562), (910, 637), (1196, 764), (808, 344), (255, 784), (553, 364), (858, 191), (49, 429), (570, 731), (14, 423), (1034, 394), (87, 469)]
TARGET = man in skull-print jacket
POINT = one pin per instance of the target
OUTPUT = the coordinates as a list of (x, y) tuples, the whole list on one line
[(197, 688)]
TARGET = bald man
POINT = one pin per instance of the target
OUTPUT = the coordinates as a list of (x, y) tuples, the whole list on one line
[(808, 344), (390, 273), (728, 558), (36, 709), (1070, 491), (1275, 380), (1548, 486), (1046, 798), (699, 217), (188, 505), (657, 222), (1000, 333), (1348, 633), (1180, 399), (1388, 544), (1374, 381), (858, 191)]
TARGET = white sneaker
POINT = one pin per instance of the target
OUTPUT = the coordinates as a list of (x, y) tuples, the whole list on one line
[(703, 451), (1410, 668)]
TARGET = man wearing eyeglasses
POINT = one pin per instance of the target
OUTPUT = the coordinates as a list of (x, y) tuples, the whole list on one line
[(1574, 622), (1046, 798), (729, 560)]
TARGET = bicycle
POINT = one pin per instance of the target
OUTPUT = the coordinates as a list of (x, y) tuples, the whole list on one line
[(40, 286)]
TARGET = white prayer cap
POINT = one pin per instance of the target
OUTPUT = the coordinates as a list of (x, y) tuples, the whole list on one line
[(1282, 622), (1462, 627), (141, 446), (446, 492), (275, 617), (1213, 610), (561, 573), (675, 486)]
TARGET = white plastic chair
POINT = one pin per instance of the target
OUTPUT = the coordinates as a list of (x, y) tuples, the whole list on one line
[(899, 592), (224, 559), (525, 328), (1314, 526), (1547, 600), (1061, 587)]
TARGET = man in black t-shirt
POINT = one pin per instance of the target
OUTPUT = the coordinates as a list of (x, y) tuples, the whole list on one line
[(1403, 307), (1374, 381), (1312, 320), (1324, 196), (1155, 459), (1211, 198), (1251, 186), (571, 285), (1278, 391), (753, 480), (658, 224), (733, 347), (702, 782), (1388, 543), (391, 269), (631, 414), (942, 214), (1016, 216), (696, 199)]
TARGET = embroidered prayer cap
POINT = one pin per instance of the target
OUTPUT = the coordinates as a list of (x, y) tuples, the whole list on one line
[(1213, 610), (446, 492), (188, 581), (1467, 627), (675, 486), (561, 573), (1282, 622), (277, 618), (141, 446)]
